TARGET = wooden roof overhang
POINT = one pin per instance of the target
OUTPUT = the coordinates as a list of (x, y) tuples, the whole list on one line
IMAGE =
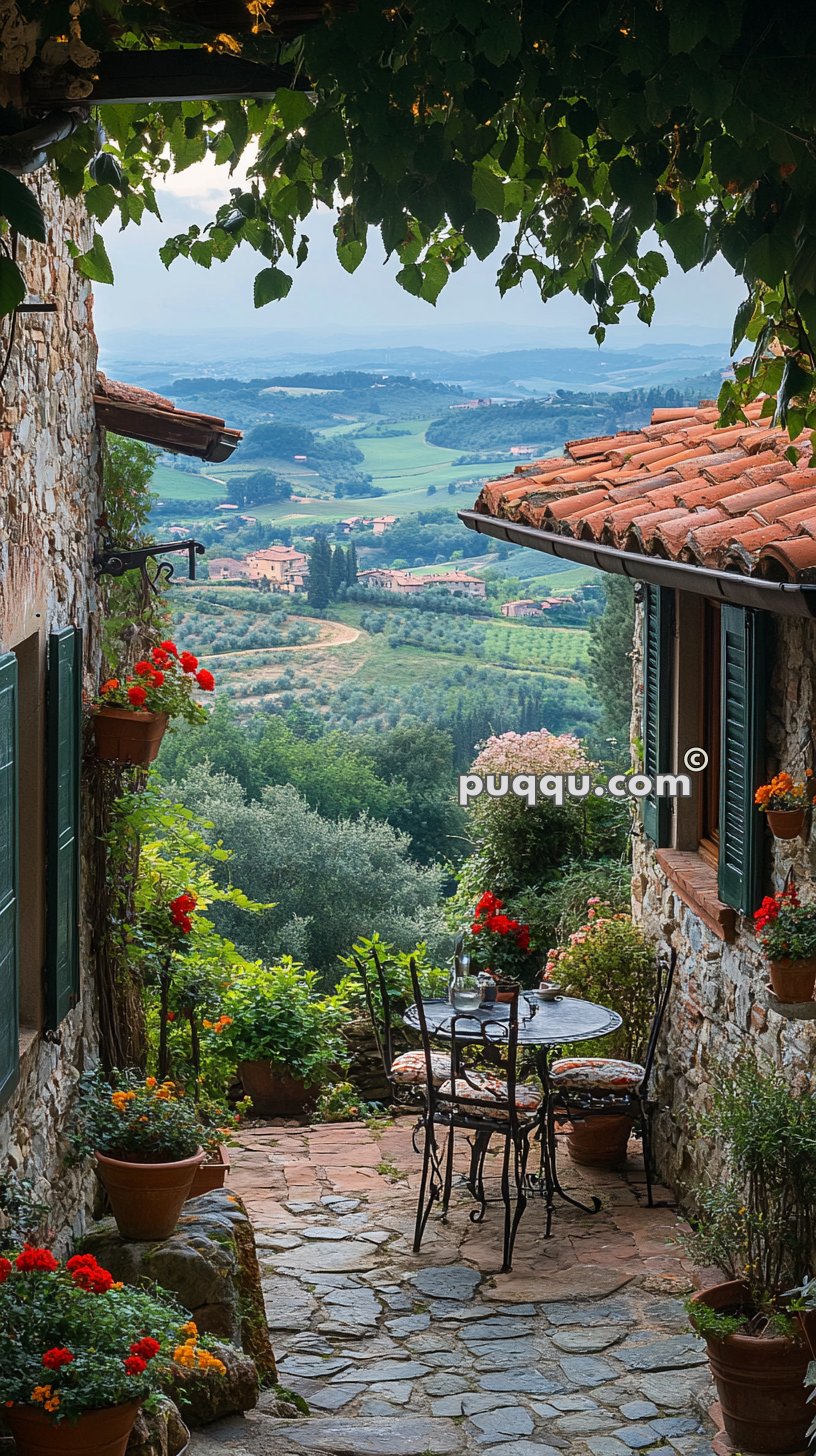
[(139, 414)]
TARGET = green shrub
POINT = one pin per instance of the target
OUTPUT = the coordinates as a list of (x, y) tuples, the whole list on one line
[(278, 1016), (609, 961)]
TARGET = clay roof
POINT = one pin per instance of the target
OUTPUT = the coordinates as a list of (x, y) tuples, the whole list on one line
[(680, 490), (140, 414)]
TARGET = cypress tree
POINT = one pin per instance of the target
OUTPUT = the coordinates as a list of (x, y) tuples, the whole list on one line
[(339, 570), (319, 573), (351, 565)]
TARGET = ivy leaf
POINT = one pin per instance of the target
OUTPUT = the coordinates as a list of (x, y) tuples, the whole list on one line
[(271, 284), (351, 253), (12, 286), (488, 190), (19, 205), (686, 237), (435, 276), (564, 147), (796, 381), (325, 133), (95, 264), (482, 232), (100, 202), (742, 318), (293, 108), (410, 278)]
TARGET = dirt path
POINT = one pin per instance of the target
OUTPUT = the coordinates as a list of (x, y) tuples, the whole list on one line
[(333, 634)]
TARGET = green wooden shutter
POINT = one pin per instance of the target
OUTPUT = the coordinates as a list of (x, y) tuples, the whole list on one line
[(64, 740), (744, 673), (658, 614), (9, 913)]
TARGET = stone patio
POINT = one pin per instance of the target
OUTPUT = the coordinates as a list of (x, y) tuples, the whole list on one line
[(584, 1348)]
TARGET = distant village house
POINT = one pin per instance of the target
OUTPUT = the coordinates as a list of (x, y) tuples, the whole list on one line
[(282, 566), (458, 583)]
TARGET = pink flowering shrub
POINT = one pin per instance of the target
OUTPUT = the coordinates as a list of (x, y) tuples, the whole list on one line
[(609, 961), (532, 753)]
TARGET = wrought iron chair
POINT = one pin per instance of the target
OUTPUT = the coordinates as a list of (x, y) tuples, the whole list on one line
[(484, 1105), (406, 1072), (584, 1087)]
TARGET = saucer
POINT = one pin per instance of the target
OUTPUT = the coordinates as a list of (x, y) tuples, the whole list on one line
[(549, 993)]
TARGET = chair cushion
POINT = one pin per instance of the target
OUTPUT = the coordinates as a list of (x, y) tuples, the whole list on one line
[(408, 1069), (596, 1074), (493, 1089)]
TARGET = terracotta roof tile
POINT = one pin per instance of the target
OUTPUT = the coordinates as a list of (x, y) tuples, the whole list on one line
[(679, 488), (141, 414)]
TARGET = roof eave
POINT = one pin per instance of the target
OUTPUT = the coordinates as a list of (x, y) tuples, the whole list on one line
[(788, 599)]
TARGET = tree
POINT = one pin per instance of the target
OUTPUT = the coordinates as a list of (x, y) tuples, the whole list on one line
[(261, 488), (351, 565), (610, 663), (319, 592), (330, 882), (338, 573), (436, 122)]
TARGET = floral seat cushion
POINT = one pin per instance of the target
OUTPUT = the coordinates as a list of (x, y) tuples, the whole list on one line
[(480, 1087), (409, 1069), (596, 1074)]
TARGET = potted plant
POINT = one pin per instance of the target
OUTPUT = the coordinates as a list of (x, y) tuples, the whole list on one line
[(218, 1124), (755, 1222), (783, 801), (787, 933), (607, 960), (146, 1139), (286, 1037), (132, 712), (501, 945), (80, 1353)]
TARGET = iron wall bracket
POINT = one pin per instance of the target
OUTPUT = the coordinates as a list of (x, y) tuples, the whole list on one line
[(112, 560)]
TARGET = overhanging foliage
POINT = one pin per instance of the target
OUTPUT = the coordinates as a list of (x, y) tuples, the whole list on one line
[(607, 134)]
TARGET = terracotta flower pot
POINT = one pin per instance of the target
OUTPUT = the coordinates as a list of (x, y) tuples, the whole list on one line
[(211, 1174), (147, 1198), (274, 1092), (126, 736), (760, 1381), (506, 989), (793, 980), (786, 823), (96, 1433), (600, 1140)]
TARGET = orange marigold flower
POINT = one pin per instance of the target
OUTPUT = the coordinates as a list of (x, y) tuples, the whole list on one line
[(110, 686)]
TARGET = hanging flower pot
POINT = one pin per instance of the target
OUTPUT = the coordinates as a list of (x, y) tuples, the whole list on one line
[(95, 1433), (125, 736), (792, 980), (784, 802), (786, 823), (131, 713)]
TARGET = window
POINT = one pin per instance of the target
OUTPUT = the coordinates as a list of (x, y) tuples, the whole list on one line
[(705, 671), (40, 736)]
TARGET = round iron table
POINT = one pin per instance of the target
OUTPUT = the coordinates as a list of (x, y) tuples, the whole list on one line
[(543, 1026)]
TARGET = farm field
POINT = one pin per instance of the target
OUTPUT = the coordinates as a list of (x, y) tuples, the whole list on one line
[(363, 665)]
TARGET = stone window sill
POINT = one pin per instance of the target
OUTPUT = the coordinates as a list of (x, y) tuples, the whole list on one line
[(695, 882), (28, 1036), (788, 1010)]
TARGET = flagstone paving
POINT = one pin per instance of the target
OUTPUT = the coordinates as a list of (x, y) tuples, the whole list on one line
[(583, 1349)]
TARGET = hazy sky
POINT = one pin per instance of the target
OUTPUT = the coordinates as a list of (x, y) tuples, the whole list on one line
[(186, 299)]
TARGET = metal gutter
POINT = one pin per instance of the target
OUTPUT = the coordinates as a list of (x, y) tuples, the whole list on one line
[(786, 599)]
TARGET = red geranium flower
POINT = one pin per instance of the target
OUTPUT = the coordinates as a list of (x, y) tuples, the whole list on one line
[(134, 1365), (188, 662), (146, 1348), (93, 1280), (205, 680), (137, 696), (5, 1270), (32, 1261), (158, 679), (143, 668), (56, 1358), (160, 657), (169, 647)]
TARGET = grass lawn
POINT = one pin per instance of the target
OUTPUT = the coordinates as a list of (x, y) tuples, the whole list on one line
[(170, 484)]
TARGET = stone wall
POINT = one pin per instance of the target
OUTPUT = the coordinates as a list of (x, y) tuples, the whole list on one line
[(49, 500), (719, 1006)]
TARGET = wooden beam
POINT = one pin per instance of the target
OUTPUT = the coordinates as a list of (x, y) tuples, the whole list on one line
[(179, 75)]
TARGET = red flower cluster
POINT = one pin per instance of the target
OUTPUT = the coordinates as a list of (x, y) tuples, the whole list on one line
[(5, 1270), (56, 1358), (181, 909), (36, 1261), (89, 1275), (489, 916), (134, 1365), (769, 910), (145, 1349)]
